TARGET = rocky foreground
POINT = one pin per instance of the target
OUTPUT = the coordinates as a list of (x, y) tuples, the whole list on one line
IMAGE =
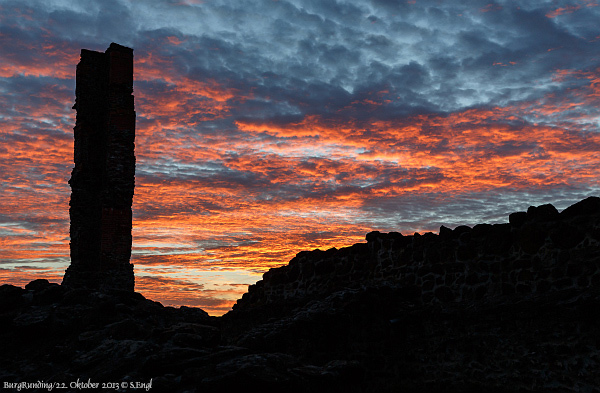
[(509, 307), (52, 334)]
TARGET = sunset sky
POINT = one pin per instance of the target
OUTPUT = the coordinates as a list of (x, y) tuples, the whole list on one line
[(269, 127)]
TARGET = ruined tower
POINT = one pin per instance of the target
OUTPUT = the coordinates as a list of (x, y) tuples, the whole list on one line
[(103, 178)]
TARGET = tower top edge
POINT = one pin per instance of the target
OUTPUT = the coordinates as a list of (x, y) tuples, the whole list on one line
[(119, 48), (114, 47)]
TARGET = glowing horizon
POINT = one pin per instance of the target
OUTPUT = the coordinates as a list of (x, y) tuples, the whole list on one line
[(290, 125)]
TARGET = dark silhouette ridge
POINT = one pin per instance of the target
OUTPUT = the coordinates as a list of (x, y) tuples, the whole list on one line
[(103, 179), (497, 308), (524, 257)]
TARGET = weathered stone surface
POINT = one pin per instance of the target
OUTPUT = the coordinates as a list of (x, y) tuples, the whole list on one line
[(503, 346), (102, 181)]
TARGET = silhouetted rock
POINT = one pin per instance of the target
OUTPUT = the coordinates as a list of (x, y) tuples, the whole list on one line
[(445, 232), (462, 311), (10, 297), (517, 219), (120, 336), (38, 285), (500, 308), (588, 206), (542, 213)]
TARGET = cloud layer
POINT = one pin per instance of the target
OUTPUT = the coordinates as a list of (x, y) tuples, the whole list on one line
[(267, 128)]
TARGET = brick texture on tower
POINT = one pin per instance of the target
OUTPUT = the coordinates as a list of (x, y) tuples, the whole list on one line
[(103, 179)]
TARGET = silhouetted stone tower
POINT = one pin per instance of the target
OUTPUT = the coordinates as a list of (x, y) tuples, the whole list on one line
[(103, 178)]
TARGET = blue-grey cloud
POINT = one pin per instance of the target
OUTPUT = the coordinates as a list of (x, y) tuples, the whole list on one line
[(390, 115)]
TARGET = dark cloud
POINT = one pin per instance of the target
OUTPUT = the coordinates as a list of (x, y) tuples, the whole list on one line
[(271, 121), (305, 58)]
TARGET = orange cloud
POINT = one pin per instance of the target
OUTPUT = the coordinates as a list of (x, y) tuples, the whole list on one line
[(43, 59), (571, 8), (250, 197), (491, 7), (473, 150), (563, 10)]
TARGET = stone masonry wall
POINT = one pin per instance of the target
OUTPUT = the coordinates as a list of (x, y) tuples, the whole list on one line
[(537, 252), (103, 178)]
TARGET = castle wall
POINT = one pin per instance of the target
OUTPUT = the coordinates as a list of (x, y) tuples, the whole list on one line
[(537, 253)]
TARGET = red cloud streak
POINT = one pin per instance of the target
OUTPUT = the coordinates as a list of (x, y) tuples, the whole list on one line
[(264, 199)]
